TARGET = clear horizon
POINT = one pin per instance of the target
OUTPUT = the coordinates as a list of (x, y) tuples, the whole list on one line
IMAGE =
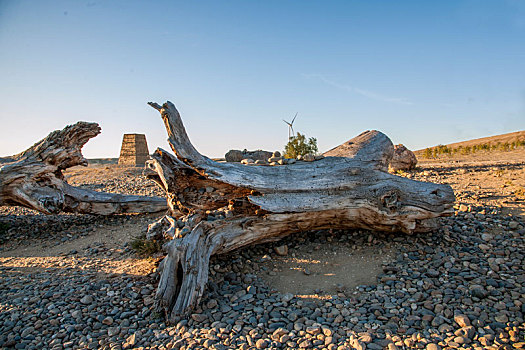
[(422, 73)]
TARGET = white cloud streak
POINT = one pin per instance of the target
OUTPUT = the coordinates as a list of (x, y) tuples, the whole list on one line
[(362, 92)]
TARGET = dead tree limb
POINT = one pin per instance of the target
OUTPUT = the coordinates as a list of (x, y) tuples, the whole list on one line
[(218, 207), (34, 178)]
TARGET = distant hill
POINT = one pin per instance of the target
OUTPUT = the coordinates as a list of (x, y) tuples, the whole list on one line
[(103, 161), (503, 142)]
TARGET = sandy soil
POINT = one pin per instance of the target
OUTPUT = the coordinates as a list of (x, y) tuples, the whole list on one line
[(322, 270)]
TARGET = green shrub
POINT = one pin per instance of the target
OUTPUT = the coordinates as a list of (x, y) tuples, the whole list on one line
[(145, 247), (299, 146)]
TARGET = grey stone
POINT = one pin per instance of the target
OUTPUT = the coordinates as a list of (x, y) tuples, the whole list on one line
[(199, 317), (281, 250), (308, 157), (87, 299), (113, 331), (478, 292), (212, 304)]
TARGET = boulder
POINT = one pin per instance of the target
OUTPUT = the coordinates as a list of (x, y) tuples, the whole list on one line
[(234, 155), (403, 159)]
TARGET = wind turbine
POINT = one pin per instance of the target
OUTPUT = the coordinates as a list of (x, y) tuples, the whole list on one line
[(290, 126)]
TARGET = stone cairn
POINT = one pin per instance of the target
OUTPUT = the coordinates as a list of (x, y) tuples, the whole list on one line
[(134, 150)]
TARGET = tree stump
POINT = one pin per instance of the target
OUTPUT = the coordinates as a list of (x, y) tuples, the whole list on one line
[(34, 178), (218, 207)]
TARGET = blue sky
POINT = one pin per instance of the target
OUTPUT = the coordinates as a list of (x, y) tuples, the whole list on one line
[(422, 72)]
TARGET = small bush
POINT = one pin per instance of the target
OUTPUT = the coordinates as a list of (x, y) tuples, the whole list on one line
[(145, 247), (427, 153), (299, 146)]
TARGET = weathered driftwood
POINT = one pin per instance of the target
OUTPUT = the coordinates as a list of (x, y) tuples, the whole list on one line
[(34, 178), (218, 207)]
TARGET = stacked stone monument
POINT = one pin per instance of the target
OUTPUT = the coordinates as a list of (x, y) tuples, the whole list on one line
[(134, 150)]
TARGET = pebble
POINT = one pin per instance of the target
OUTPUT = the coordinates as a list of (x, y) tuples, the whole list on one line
[(308, 157), (281, 250), (261, 344), (462, 320), (199, 317), (87, 299), (247, 161)]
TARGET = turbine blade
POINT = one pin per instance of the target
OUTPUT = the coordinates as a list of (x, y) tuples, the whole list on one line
[(294, 117)]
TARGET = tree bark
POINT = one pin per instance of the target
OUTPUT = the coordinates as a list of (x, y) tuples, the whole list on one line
[(34, 178), (218, 207)]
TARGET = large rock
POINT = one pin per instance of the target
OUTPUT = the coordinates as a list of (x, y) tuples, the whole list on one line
[(403, 159), (236, 155)]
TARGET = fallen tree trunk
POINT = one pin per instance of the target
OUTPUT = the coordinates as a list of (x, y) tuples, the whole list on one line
[(34, 178), (218, 207)]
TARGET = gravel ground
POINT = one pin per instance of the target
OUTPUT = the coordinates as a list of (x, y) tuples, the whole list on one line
[(462, 286)]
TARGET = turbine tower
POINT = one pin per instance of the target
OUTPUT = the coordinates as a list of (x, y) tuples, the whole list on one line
[(290, 127)]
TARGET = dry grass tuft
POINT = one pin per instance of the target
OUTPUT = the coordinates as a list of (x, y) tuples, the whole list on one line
[(145, 247)]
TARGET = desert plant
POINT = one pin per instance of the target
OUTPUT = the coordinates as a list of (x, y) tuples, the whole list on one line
[(436, 151), (427, 153), (145, 247), (299, 146)]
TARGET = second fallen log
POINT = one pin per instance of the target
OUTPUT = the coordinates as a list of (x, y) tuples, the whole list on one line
[(34, 178)]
